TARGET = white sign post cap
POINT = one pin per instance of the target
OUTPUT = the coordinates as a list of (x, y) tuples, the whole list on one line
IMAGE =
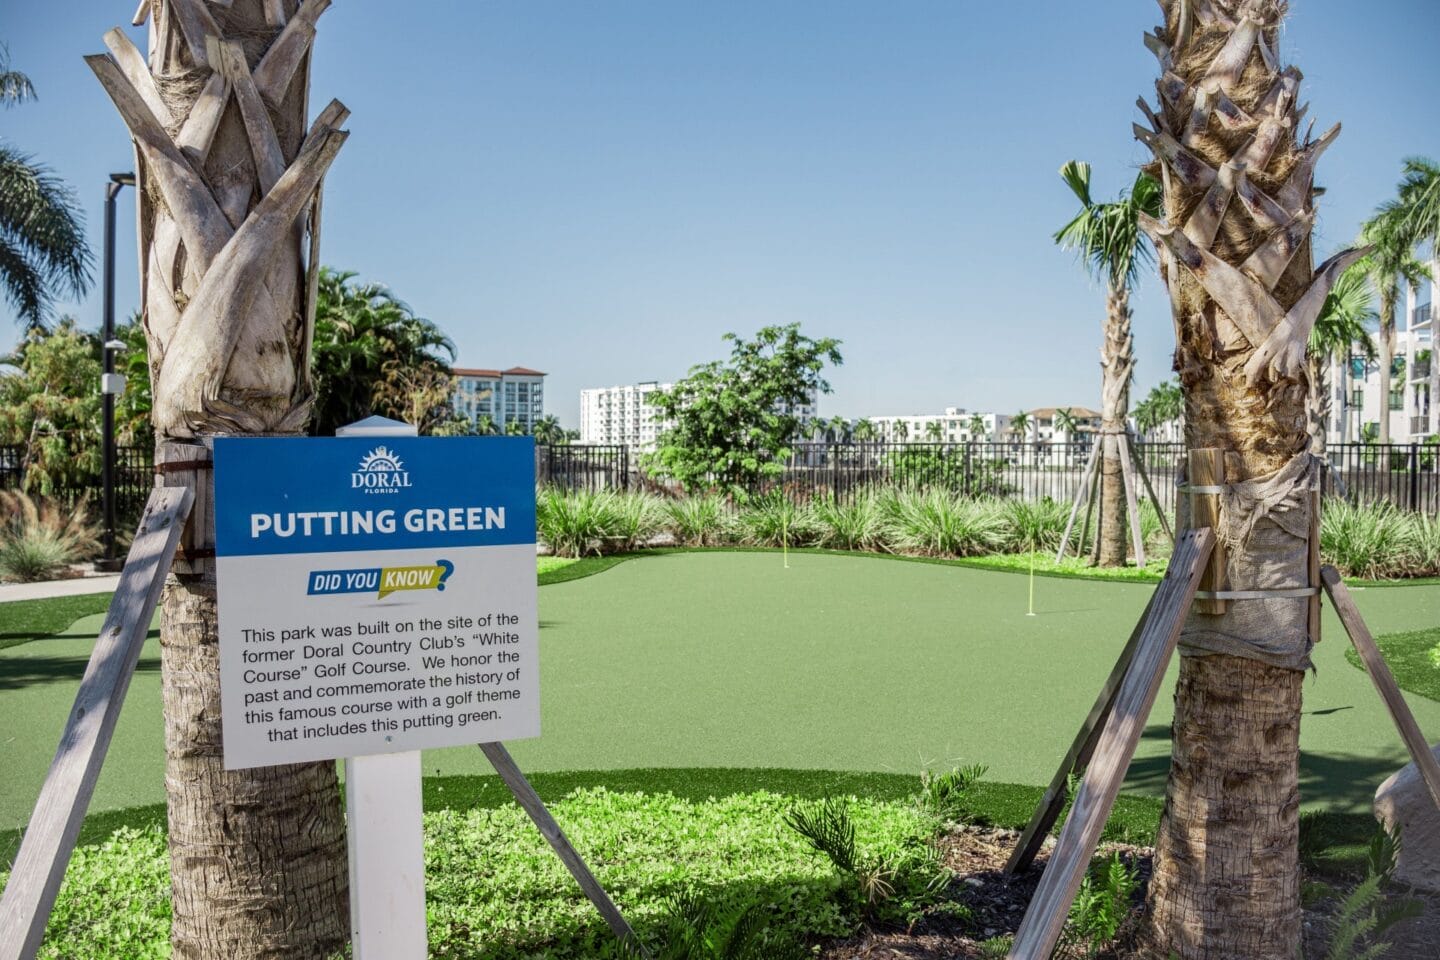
[(377, 426)]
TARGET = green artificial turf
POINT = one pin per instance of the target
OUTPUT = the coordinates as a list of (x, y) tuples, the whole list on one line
[(24, 620), (729, 660), (1414, 659)]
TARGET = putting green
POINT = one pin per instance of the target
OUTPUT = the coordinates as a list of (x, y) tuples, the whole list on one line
[(718, 659)]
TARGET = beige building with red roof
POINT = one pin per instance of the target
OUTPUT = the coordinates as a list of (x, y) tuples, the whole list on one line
[(509, 396)]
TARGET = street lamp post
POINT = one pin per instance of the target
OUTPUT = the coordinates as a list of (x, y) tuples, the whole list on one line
[(111, 384)]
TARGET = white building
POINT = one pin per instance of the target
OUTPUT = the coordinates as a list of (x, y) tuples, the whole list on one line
[(509, 396), (624, 415), (621, 415), (1359, 394), (952, 426)]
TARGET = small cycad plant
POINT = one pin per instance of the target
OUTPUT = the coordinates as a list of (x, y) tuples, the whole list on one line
[(901, 889), (943, 795)]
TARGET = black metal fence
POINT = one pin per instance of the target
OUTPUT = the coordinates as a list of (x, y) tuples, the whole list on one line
[(1407, 475)]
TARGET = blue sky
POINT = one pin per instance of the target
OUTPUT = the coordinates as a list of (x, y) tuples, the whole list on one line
[(600, 190)]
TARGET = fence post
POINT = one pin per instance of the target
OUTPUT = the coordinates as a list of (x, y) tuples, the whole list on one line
[(966, 480), (1414, 476)]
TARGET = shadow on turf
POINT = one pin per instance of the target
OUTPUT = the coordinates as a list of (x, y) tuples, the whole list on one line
[(19, 672), (1346, 782)]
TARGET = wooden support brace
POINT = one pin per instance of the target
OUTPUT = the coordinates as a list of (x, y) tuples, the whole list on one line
[(1384, 681), (531, 803), (1077, 758), (60, 810), (1081, 492), (1045, 919), (1132, 504), (1207, 469), (1149, 490)]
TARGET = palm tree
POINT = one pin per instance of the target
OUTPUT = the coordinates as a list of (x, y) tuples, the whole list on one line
[(1108, 240), (839, 428), (933, 431), (1066, 422), (229, 167), (1419, 206), (42, 230), (514, 428), (902, 431), (1390, 263), (1244, 294), (485, 425), (864, 430), (548, 430), (1342, 325), (1020, 426), (976, 428)]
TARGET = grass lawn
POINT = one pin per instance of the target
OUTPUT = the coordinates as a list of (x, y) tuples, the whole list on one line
[(1414, 658), (728, 660)]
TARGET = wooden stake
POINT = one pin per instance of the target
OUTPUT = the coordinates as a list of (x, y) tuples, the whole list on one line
[(1082, 491), (60, 810), (1384, 681), (1044, 920), (531, 803), (1145, 476), (1132, 505), (1207, 469), (1312, 562), (1076, 758)]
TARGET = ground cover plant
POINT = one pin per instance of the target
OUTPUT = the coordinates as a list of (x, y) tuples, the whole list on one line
[(40, 537)]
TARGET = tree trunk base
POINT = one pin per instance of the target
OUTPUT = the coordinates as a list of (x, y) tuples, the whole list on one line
[(1227, 875), (251, 850)]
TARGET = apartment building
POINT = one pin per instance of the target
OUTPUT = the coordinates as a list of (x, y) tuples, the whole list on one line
[(509, 396), (952, 426), (625, 415), (1409, 396)]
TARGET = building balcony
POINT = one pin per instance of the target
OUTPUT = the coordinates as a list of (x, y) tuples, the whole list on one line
[(1420, 315)]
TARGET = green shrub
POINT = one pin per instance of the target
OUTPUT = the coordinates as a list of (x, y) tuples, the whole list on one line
[(40, 538), (632, 519), (857, 525), (1368, 540), (694, 928), (772, 520), (944, 795), (1034, 526), (939, 524), (573, 524), (1424, 545), (697, 521), (1152, 531)]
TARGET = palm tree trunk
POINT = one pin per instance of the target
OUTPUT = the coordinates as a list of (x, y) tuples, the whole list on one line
[(1238, 193), (1386, 350), (228, 189), (1117, 365)]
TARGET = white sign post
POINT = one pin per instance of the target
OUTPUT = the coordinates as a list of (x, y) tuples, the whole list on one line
[(377, 596), (385, 827)]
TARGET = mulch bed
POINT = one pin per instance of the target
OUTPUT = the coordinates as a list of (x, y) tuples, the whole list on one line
[(978, 855)]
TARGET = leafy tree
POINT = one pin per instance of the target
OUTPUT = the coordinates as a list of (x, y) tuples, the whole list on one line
[(132, 408), (732, 418), (1108, 239), (42, 230), (373, 355), (50, 405), (1163, 404)]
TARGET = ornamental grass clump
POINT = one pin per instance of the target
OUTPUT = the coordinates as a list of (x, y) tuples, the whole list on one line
[(39, 538), (632, 519), (1374, 540), (1033, 526), (938, 524), (772, 520), (697, 521), (857, 525), (574, 524)]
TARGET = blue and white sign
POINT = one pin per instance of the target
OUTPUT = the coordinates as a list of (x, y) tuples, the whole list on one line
[(377, 595)]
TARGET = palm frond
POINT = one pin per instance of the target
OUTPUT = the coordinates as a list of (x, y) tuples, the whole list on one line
[(15, 87), (42, 225)]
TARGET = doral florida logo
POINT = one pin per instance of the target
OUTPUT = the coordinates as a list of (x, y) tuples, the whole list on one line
[(380, 472)]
